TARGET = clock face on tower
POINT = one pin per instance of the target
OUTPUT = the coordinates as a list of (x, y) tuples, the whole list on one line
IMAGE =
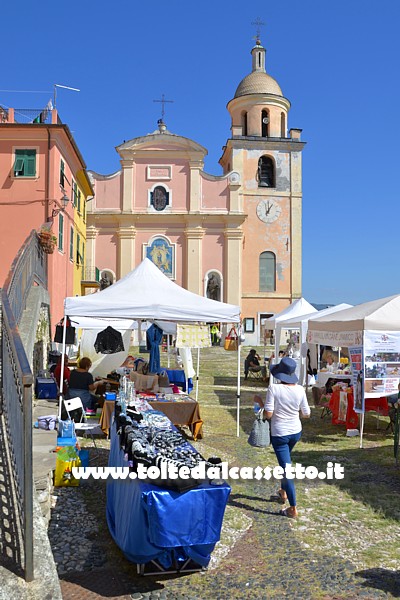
[(268, 211)]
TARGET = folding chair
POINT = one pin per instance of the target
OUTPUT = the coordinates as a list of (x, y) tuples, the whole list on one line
[(85, 428), (252, 373), (326, 411), (255, 374)]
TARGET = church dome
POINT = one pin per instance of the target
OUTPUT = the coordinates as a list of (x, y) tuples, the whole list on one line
[(258, 82)]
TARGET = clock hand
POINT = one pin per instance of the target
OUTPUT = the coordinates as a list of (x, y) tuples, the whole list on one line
[(268, 209)]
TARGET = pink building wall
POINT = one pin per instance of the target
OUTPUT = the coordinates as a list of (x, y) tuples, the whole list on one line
[(27, 203), (215, 194), (178, 184), (108, 192)]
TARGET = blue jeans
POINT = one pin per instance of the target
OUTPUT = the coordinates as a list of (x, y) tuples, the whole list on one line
[(283, 446)]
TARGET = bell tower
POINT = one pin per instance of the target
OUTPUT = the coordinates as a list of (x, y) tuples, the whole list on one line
[(269, 161)]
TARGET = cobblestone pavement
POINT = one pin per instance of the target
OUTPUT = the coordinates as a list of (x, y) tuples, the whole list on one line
[(266, 562)]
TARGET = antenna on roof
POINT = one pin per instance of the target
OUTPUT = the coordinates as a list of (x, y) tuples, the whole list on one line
[(65, 87)]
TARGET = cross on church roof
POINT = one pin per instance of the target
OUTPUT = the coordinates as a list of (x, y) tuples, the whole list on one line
[(163, 102), (258, 23)]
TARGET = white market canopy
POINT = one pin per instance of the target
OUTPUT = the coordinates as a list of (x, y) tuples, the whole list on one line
[(103, 322), (146, 293), (346, 327), (301, 322), (296, 309)]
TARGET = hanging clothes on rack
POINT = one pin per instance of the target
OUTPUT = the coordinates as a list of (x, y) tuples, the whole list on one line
[(109, 341), (153, 337)]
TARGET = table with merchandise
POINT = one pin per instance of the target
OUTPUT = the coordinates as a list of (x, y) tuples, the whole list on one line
[(171, 526)]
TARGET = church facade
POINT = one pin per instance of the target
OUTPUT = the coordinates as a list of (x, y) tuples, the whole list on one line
[(234, 237)]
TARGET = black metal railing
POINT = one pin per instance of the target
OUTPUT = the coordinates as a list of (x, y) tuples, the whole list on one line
[(29, 267), (32, 115), (29, 115)]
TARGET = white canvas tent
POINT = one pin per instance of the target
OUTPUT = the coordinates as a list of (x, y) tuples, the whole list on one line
[(296, 309), (378, 315), (147, 294), (348, 327), (301, 323)]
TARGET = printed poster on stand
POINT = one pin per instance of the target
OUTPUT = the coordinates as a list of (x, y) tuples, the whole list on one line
[(356, 358), (382, 362)]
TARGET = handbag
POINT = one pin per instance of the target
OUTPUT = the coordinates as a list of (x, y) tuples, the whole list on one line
[(47, 422), (67, 458), (69, 332), (163, 379), (260, 435), (66, 428), (231, 340)]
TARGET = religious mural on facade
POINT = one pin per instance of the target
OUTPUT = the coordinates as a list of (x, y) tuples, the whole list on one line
[(162, 254)]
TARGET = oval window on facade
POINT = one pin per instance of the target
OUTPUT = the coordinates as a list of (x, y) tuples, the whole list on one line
[(159, 198)]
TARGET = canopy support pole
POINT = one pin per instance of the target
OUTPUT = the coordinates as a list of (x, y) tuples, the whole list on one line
[(238, 385), (362, 429), (62, 367), (168, 350), (139, 333), (197, 374)]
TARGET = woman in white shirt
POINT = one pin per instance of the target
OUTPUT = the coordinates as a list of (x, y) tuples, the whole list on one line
[(283, 404)]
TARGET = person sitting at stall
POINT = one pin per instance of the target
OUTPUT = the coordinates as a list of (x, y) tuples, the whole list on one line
[(331, 366), (252, 363), (82, 384)]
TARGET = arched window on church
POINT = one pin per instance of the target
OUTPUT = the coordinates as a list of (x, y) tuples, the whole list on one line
[(264, 123), (266, 172), (267, 272), (283, 125), (244, 123)]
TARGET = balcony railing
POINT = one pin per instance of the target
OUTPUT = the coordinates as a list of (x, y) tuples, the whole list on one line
[(28, 115), (91, 274)]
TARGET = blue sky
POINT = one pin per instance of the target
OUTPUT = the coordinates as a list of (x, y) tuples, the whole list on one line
[(337, 62)]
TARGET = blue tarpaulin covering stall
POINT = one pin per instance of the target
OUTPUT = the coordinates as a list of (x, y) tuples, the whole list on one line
[(177, 376), (149, 522)]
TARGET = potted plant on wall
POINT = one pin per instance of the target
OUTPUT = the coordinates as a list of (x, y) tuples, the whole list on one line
[(47, 240)]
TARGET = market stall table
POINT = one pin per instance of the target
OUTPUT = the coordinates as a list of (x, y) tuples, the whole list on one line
[(323, 376), (341, 405), (106, 416), (150, 523), (181, 411)]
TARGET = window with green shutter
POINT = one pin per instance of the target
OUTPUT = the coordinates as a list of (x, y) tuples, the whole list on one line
[(71, 245), (79, 201), (79, 260), (60, 232), (73, 193), (25, 163)]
